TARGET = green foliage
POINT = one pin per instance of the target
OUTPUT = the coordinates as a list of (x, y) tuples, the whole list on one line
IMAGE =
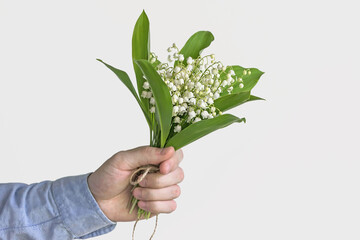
[(141, 50), (249, 80), (196, 43), (124, 77), (231, 100), (162, 97), (200, 129)]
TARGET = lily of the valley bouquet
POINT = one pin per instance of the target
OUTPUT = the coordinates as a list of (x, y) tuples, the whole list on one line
[(185, 97)]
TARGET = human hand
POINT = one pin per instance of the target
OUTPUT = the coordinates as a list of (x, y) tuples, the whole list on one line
[(110, 186)]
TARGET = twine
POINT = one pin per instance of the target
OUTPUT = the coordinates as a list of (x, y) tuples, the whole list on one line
[(137, 176)]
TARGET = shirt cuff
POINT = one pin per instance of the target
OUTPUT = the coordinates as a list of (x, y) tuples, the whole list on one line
[(78, 209)]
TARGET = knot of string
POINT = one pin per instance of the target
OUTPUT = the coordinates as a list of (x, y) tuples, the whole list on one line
[(136, 177)]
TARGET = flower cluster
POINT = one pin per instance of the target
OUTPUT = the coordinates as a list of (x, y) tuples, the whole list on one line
[(194, 85)]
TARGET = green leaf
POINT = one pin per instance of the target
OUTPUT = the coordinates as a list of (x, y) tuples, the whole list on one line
[(231, 100), (254, 98), (200, 129), (196, 43), (161, 95), (141, 50), (126, 80), (249, 80)]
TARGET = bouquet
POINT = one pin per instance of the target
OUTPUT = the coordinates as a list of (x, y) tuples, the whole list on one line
[(185, 97)]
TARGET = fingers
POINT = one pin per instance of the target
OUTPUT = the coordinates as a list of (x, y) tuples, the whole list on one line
[(172, 163), (144, 155), (158, 180), (162, 194), (157, 207)]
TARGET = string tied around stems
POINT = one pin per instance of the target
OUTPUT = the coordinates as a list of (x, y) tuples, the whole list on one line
[(137, 176)]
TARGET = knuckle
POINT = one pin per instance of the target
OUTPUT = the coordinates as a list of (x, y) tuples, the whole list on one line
[(147, 150)]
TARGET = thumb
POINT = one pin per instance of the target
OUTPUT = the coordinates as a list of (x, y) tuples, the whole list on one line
[(146, 155)]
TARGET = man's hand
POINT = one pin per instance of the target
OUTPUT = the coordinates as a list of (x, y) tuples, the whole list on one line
[(110, 183)]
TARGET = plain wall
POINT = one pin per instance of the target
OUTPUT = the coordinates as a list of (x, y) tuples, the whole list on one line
[(290, 172)]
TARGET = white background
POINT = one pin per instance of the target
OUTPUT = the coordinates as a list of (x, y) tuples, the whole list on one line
[(290, 172)]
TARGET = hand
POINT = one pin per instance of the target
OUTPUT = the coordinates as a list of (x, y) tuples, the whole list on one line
[(110, 186)]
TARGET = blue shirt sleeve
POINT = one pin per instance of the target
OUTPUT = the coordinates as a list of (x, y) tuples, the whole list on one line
[(62, 209)]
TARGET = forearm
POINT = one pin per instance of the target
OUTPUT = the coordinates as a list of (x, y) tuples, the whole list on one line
[(63, 209)]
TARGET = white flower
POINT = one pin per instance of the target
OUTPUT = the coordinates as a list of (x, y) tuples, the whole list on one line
[(230, 89), (170, 58), (176, 119), (152, 109), (177, 69), (181, 58), (148, 94), (197, 119), (191, 85), (189, 68), (214, 71), (175, 98), (202, 104), (169, 49), (210, 101), (182, 109), (241, 85), (199, 86), (192, 101), (213, 109), (152, 101), (144, 94), (192, 114), (232, 73), (181, 100), (181, 81), (204, 114), (216, 95), (177, 128), (175, 110), (189, 60)]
